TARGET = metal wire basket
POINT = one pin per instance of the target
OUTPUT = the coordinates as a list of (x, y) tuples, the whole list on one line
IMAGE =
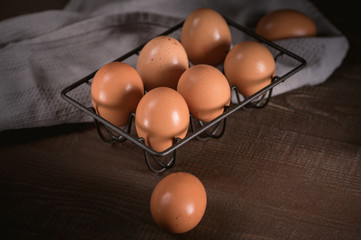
[(161, 161)]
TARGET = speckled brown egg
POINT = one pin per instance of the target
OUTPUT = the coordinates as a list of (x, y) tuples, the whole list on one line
[(285, 23), (206, 37), (206, 91), (115, 91), (161, 62), (178, 202), (250, 66), (161, 116)]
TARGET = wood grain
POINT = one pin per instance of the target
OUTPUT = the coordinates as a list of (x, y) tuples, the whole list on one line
[(289, 171)]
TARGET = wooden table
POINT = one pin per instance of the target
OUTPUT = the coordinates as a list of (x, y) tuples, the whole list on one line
[(289, 171)]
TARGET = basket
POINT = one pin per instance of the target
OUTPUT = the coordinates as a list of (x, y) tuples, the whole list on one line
[(160, 161)]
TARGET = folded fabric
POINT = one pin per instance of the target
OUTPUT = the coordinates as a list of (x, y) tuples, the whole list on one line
[(42, 53)]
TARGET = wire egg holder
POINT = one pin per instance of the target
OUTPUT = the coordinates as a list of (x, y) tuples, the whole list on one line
[(164, 160)]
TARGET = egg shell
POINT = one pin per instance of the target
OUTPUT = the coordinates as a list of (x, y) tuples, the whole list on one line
[(161, 116), (161, 62), (206, 91), (178, 202), (206, 37), (285, 23), (250, 66), (115, 91)]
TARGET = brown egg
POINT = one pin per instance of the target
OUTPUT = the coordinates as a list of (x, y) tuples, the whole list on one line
[(178, 202), (115, 91), (206, 91), (161, 62), (206, 37), (249, 66), (161, 116), (285, 23)]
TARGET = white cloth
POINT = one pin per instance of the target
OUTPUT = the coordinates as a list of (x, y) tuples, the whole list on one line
[(44, 52)]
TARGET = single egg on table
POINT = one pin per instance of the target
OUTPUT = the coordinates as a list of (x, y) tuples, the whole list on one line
[(115, 92), (206, 37), (162, 116), (249, 66), (206, 91), (178, 202), (285, 23), (161, 62)]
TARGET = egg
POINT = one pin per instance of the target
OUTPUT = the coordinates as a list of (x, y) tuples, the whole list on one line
[(178, 202), (206, 37), (250, 66), (285, 23), (115, 92), (161, 62), (161, 116), (206, 91)]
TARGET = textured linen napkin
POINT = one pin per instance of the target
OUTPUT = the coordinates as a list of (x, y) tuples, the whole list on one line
[(42, 53)]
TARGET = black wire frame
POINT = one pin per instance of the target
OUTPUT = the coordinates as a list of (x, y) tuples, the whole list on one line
[(257, 100)]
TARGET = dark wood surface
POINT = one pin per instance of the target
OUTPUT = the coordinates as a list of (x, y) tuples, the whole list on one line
[(289, 171)]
